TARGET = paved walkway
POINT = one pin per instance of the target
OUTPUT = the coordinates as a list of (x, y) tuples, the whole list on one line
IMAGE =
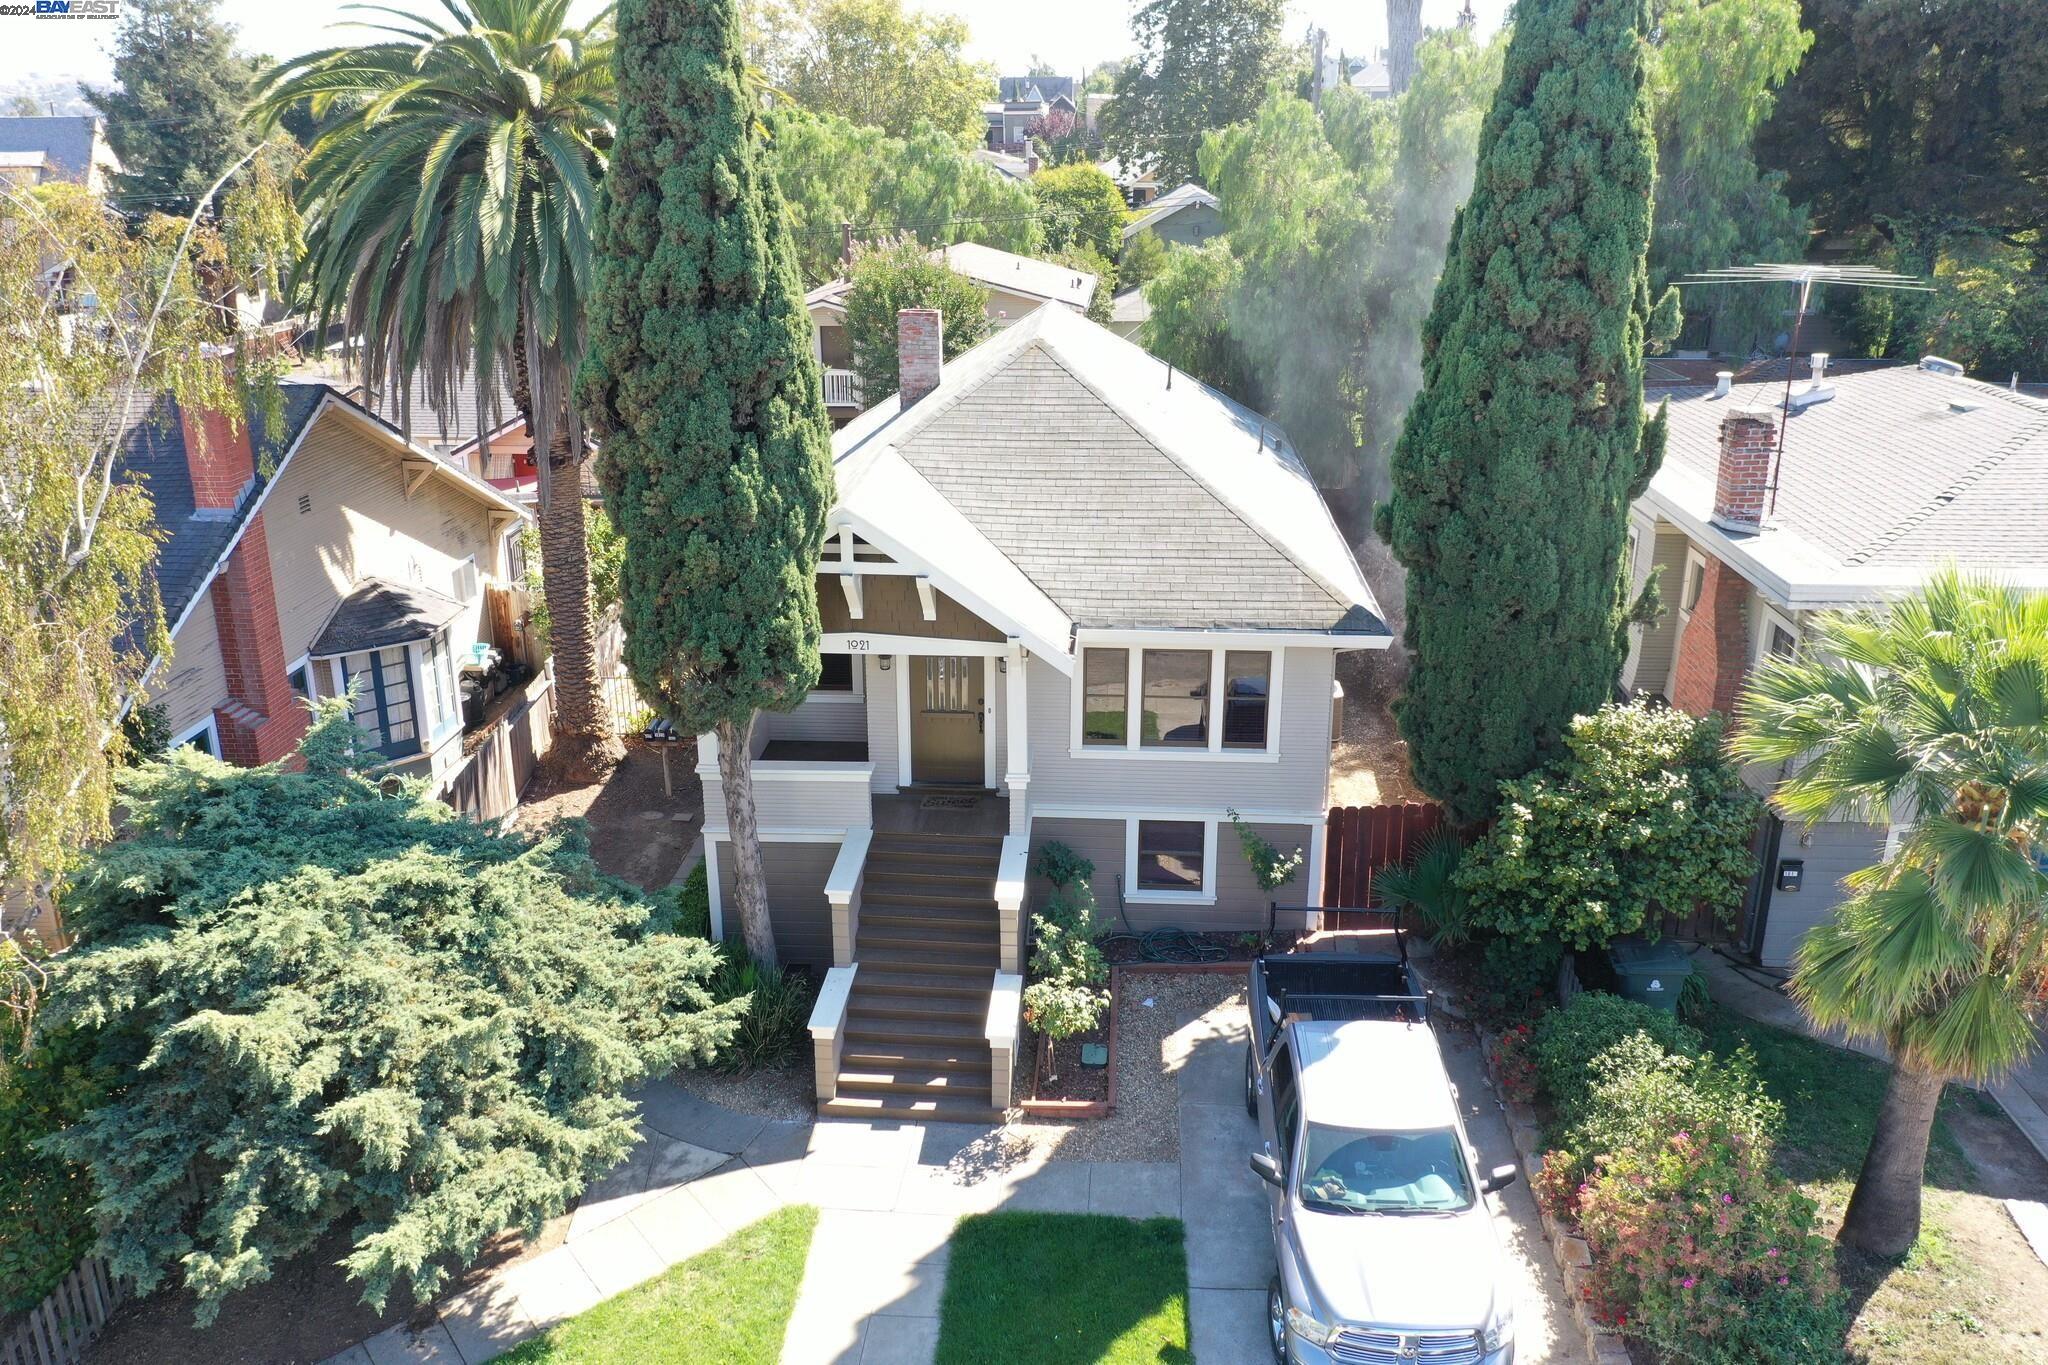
[(1756, 994), (889, 1194)]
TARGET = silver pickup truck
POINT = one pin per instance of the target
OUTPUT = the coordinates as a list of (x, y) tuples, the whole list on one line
[(1387, 1253)]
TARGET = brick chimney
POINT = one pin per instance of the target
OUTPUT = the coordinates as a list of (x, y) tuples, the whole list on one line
[(1713, 644), (920, 352), (222, 465), (1749, 438), (261, 718)]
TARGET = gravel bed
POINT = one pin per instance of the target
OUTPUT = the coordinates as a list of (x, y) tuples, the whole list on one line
[(1152, 1043), (784, 1094)]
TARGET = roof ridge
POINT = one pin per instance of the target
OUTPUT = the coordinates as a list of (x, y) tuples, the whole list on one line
[(1955, 489), (1215, 494)]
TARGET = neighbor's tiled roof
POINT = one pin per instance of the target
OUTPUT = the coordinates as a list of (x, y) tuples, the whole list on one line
[(1127, 495), (66, 139), (1902, 469), (1166, 205), (997, 269)]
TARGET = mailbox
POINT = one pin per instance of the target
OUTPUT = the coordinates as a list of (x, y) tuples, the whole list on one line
[(1791, 874)]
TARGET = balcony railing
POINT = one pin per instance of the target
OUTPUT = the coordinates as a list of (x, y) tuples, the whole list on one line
[(842, 390)]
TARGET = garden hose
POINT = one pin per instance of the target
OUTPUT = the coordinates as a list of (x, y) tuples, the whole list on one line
[(1162, 945)]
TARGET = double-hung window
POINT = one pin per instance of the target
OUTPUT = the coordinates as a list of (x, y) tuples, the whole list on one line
[(383, 705), (1176, 700)]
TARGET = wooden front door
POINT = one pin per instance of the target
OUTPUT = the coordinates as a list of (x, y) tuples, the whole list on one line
[(945, 719)]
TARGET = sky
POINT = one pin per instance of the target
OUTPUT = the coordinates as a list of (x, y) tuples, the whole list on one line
[(1071, 34)]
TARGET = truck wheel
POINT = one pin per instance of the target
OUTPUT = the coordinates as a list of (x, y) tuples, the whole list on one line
[(1251, 1093), (1276, 1321)]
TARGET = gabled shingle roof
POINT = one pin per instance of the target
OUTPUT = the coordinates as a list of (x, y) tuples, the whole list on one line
[(379, 612), (1127, 495), (1903, 468), (66, 140)]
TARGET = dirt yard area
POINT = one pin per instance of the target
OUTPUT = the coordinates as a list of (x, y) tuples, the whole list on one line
[(1369, 762), (637, 831)]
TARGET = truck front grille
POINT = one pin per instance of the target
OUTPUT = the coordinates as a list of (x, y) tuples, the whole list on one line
[(1370, 1346)]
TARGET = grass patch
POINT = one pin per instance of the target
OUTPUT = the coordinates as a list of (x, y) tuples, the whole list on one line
[(729, 1304), (1061, 1287)]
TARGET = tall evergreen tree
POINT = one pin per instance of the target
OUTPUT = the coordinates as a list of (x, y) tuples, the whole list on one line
[(1201, 64), (174, 112), (1518, 459), (701, 384)]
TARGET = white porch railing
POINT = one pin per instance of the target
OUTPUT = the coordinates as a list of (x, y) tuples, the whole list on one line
[(842, 390)]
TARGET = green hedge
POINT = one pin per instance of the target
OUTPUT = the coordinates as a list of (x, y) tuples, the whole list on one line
[(1567, 1040), (46, 1221)]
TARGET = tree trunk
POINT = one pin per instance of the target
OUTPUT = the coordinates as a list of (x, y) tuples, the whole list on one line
[(749, 881), (1884, 1212), (583, 746)]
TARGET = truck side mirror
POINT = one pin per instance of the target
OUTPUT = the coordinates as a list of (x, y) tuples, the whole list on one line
[(1267, 1169), (1499, 1179)]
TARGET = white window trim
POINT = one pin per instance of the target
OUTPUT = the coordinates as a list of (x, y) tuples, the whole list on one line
[(476, 576), (1770, 616), (305, 661), (1134, 701), (206, 727), (1693, 556), (442, 726), (1136, 895)]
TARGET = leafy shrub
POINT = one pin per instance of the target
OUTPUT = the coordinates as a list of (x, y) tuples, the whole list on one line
[(1643, 813), (1567, 1042), (1514, 1064), (1428, 886), (1701, 1249), (1062, 866), (693, 904), (1508, 982), (774, 1027), (1271, 868), (46, 1084), (1065, 995)]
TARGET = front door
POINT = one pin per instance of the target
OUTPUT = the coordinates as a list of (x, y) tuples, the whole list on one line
[(945, 719)]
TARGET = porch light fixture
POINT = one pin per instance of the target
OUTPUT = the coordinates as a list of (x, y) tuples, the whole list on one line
[(885, 661), (1002, 665)]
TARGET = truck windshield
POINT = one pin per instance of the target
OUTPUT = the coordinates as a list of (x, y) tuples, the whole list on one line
[(1412, 1172)]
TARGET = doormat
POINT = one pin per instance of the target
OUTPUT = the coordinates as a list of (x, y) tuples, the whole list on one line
[(949, 803)]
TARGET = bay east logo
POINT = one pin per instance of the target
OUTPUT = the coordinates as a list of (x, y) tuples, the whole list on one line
[(77, 9)]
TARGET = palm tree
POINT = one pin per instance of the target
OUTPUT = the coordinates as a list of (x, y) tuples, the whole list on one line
[(1932, 715), (449, 203)]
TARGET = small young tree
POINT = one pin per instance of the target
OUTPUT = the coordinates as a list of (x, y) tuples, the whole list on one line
[(899, 275), (1065, 996), (1079, 205), (701, 384), (361, 1011), (1644, 813)]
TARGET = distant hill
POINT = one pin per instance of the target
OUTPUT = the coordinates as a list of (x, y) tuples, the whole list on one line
[(18, 93)]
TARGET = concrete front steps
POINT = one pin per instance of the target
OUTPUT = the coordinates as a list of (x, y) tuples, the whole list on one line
[(915, 1042)]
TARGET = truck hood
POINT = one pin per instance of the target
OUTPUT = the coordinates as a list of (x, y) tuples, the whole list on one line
[(1415, 1271)]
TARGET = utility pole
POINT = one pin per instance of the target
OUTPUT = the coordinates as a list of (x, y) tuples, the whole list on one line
[(1315, 85)]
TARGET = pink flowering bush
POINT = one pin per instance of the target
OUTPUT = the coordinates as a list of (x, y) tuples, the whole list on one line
[(1514, 1064), (1703, 1250)]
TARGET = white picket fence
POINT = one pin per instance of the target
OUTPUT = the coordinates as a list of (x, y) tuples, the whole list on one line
[(58, 1330)]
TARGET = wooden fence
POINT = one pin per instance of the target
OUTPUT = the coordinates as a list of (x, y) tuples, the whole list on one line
[(1360, 840), (58, 1330), (487, 785)]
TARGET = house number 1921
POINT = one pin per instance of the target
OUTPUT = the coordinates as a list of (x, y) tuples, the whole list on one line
[(856, 645)]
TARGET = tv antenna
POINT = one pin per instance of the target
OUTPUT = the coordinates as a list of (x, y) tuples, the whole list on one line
[(1805, 276)]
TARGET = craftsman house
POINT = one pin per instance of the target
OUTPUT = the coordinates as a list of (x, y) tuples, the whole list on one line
[(1188, 216), (1883, 474), (306, 552), (1069, 594), (1016, 286)]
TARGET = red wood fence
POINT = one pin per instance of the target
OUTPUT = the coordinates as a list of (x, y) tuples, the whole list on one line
[(1360, 840)]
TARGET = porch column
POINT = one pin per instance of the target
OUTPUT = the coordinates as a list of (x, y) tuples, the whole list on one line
[(1017, 780)]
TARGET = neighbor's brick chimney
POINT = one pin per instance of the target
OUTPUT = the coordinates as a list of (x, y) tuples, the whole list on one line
[(920, 352), (1713, 644), (261, 719), (217, 453), (1742, 482)]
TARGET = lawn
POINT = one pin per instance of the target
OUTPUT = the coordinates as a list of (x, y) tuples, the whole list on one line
[(1971, 1290), (730, 1304), (1062, 1287)]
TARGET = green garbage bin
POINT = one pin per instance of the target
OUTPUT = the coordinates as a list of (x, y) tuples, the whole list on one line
[(1652, 973)]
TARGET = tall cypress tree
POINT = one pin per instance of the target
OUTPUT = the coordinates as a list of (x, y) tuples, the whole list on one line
[(701, 386), (1520, 456)]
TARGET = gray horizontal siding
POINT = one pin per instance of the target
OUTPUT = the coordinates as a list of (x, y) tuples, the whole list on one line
[(1831, 852), (1299, 781), (796, 899), (1659, 640), (815, 717), (793, 804), (881, 712), (1240, 904)]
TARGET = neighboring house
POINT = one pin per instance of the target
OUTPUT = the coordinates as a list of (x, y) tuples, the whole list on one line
[(1188, 216), (302, 554), (36, 148), (1129, 312), (1068, 594), (1886, 472), (1140, 184), (1371, 76), (1016, 286), (1017, 168), (1021, 103)]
